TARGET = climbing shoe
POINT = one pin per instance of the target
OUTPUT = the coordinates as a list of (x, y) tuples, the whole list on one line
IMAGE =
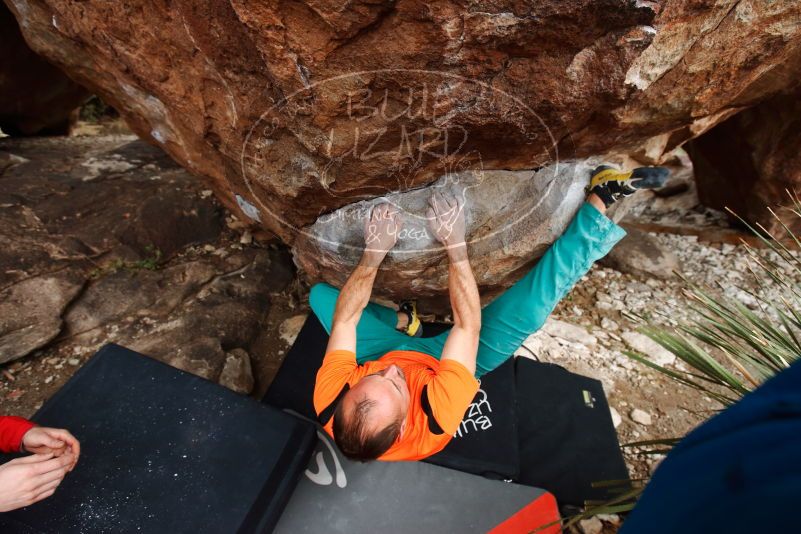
[(414, 327), (611, 184)]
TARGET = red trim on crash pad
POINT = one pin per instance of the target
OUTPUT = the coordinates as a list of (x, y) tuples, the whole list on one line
[(541, 511)]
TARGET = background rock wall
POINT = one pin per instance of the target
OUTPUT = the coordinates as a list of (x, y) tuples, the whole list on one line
[(291, 110), (750, 162)]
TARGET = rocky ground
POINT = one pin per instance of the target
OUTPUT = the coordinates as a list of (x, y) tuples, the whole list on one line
[(104, 239)]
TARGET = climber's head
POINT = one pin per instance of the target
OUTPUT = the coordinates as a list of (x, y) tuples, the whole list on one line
[(371, 416)]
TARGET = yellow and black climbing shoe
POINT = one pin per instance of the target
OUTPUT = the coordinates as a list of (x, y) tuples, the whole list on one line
[(611, 184), (414, 327)]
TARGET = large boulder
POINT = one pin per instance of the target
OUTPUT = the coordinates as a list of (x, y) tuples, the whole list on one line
[(750, 162), (513, 216), (35, 97), (295, 110)]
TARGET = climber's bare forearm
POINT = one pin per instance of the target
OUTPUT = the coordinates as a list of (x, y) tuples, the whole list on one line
[(462, 342), (352, 300), (463, 290), (356, 292)]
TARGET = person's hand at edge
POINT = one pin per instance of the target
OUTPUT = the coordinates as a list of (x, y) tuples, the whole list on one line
[(44, 440), (27, 480)]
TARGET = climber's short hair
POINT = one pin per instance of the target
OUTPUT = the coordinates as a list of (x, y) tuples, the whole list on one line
[(352, 437)]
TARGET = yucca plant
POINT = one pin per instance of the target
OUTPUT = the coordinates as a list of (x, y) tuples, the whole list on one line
[(729, 348)]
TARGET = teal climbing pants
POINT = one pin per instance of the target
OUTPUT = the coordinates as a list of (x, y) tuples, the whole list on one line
[(509, 319)]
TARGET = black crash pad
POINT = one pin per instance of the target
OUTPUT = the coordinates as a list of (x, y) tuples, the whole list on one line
[(486, 443), (166, 451), (337, 495), (566, 436)]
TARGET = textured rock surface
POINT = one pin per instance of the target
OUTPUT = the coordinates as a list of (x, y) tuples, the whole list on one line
[(640, 254), (511, 217), (290, 328), (35, 97), (749, 162), (569, 332), (223, 313), (88, 199), (649, 348), (30, 312), (106, 239), (592, 525), (237, 373), (306, 107), (639, 416)]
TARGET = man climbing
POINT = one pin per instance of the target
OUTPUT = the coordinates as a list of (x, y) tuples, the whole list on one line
[(29, 479), (384, 394)]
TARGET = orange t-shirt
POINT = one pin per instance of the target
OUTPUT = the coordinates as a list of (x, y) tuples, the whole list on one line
[(450, 389)]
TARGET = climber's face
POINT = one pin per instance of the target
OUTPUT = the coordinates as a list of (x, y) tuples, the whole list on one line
[(371, 417), (388, 394)]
